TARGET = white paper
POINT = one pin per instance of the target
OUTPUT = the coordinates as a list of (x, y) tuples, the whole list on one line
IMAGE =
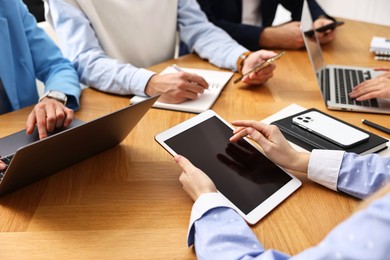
[(217, 81)]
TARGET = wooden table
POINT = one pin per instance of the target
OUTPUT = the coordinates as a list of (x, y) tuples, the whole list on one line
[(127, 202)]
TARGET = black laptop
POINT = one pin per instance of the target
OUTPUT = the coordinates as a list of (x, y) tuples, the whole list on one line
[(30, 159)]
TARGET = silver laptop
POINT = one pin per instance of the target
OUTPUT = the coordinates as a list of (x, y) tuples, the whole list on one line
[(30, 159), (336, 81)]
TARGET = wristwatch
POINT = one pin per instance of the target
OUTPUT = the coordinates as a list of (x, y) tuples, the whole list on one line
[(57, 95)]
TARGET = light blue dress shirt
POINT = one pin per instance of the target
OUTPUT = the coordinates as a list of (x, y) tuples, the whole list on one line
[(218, 232), (27, 53), (96, 69)]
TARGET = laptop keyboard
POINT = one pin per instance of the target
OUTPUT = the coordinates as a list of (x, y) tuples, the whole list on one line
[(346, 80), (7, 161)]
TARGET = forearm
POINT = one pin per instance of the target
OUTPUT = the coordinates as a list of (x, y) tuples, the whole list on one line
[(210, 42), (361, 176), (56, 72), (110, 75)]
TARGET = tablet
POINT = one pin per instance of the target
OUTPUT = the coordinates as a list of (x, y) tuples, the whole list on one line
[(251, 183)]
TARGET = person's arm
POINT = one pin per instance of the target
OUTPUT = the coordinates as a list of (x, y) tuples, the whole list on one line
[(207, 40), (221, 233), (80, 44), (228, 17), (214, 44), (56, 72), (361, 176), (51, 67), (364, 235), (98, 70), (216, 230), (355, 175), (358, 176)]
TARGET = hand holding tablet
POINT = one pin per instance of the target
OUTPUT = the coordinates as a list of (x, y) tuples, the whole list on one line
[(250, 182)]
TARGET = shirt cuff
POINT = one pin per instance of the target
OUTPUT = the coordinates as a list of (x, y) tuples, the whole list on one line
[(140, 80), (203, 204), (324, 167)]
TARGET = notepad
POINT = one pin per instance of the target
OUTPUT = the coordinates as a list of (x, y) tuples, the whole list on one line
[(216, 80), (381, 47)]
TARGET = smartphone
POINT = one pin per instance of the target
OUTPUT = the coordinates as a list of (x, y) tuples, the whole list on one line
[(330, 129), (330, 26), (261, 65)]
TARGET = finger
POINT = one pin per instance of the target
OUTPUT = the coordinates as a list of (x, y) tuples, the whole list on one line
[(30, 124), (238, 129), (237, 136), (193, 87), (193, 78), (2, 165), (382, 69), (40, 117), (69, 117), (59, 116), (263, 128), (256, 135), (51, 117), (243, 123), (184, 163), (364, 88)]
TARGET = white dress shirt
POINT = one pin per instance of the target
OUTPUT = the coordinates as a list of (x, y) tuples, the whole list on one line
[(109, 42)]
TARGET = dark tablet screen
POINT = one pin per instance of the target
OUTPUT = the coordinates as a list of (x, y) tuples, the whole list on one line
[(240, 172)]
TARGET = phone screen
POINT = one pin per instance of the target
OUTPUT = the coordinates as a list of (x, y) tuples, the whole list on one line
[(330, 26)]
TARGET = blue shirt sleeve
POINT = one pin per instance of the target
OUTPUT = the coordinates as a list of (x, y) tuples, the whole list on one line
[(55, 71), (220, 233), (360, 176), (207, 40)]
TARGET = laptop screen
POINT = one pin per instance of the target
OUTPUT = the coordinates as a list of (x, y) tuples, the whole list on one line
[(313, 48)]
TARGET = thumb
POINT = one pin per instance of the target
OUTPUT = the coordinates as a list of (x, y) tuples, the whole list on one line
[(183, 162)]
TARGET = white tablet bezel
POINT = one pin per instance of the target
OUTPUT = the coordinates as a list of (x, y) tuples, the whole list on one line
[(262, 209)]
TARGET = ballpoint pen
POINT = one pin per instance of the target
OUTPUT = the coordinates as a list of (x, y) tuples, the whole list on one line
[(376, 126), (176, 67), (261, 66)]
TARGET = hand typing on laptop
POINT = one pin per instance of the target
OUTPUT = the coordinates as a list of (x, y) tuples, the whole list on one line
[(378, 87), (47, 115)]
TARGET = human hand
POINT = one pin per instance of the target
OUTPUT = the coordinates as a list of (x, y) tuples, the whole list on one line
[(244, 159), (47, 115), (176, 87), (195, 182), (261, 76), (273, 143), (285, 36), (386, 69), (327, 36), (378, 87), (2, 165)]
